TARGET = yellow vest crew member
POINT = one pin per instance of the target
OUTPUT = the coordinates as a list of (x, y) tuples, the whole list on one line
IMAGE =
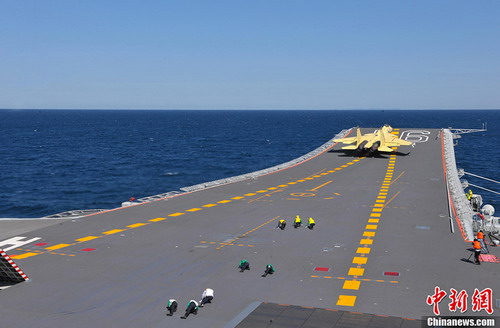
[(477, 250), (311, 223), (281, 224), (298, 222)]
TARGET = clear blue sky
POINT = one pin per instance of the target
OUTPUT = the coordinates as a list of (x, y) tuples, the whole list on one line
[(203, 54)]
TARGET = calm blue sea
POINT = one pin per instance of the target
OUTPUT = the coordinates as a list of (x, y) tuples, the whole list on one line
[(57, 160)]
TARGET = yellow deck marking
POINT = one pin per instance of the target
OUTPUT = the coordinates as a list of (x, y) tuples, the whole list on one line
[(371, 227), (351, 284), (390, 200), (382, 197), (209, 205), (110, 232), (196, 209), (250, 194), (157, 219), (363, 250), (375, 215), (224, 201), (359, 260), (346, 300), (373, 220), (176, 214), (282, 186), (356, 271), (272, 188), (369, 234), (239, 197), (377, 210), (23, 256), (301, 180), (292, 183), (58, 246), (87, 238), (320, 186), (366, 242), (324, 173)]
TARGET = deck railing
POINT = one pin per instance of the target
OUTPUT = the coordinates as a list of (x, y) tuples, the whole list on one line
[(463, 208)]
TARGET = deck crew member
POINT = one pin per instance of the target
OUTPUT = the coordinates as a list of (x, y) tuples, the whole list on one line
[(244, 265), (480, 238), (281, 224), (207, 296), (171, 307), (192, 307), (298, 222), (269, 270), (477, 251), (311, 223)]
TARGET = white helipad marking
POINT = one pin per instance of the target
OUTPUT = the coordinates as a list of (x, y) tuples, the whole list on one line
[(16, 242)]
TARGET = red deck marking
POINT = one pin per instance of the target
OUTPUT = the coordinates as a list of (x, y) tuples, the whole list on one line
[(488, 258), (391, 273), (321, 269), (88, 249), (41, 244)]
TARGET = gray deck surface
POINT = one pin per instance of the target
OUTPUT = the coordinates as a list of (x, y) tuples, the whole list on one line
[(128, 278), (275, 315)]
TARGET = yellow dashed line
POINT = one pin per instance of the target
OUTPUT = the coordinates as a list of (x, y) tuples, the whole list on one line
[(23, 256), (366, 241), (373, 220), (356, 271), (209, 205), (359, 260), (351, 284), (371, 227), (87, 238), (58, 246), (224, 201), (369, 234), (110, 232), (157, 219), (363, 250), (239, 197), (176, 214), (196, 209), (346, 300), (250, 194)]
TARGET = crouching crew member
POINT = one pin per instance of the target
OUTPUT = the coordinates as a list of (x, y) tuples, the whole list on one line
[(244, 265), (281, 224), (171, 307), (311, 223), (207, 296), (298, 222), (269, 270), (192, 307)]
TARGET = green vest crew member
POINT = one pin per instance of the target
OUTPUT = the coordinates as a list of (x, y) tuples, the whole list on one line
[(269, 270), (192, 307), (477, 250), (281, 224), (298, 222), (311, 223), (244, 265), (171, 307)]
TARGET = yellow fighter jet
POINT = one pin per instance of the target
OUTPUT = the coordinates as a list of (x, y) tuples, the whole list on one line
[(380, 140)]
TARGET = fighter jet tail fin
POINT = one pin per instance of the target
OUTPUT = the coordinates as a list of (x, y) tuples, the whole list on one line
[(383, 146)]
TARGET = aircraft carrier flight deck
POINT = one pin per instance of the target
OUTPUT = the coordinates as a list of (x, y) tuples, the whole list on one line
[(381, 244)]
